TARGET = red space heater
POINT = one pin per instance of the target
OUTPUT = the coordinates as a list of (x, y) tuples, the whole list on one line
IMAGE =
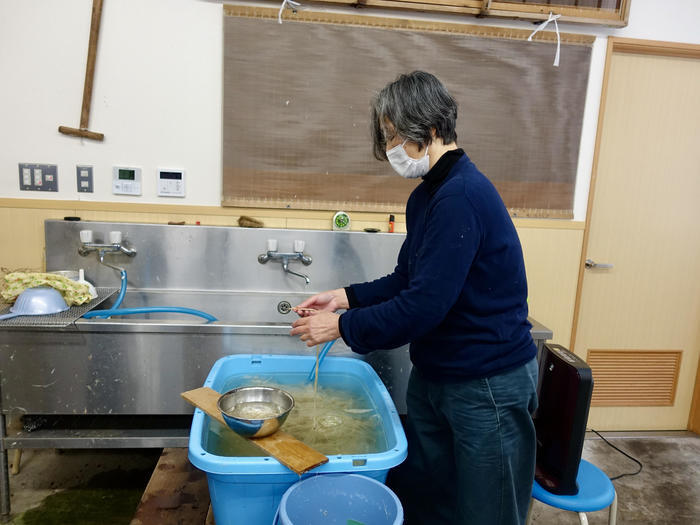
[(564, 390)]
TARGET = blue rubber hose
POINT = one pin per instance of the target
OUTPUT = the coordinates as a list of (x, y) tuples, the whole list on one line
[(148, 310), (122, 290), (116, 311), (117, 303), (323, 353)]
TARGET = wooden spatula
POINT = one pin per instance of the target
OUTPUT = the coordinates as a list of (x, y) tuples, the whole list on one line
[(285, 448)]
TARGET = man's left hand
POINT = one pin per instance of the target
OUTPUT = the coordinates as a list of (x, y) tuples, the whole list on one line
[(317, 328)]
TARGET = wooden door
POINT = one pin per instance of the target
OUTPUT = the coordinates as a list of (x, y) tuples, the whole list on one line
[(638, 323)]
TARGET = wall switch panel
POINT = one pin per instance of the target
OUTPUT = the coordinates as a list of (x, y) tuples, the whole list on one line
[(38, 177), (84, 175)]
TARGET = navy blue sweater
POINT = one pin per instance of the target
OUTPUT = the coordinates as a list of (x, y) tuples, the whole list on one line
[(458, 293)]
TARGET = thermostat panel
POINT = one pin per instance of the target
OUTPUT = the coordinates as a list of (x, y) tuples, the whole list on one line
[(126, 181), (171, 183)]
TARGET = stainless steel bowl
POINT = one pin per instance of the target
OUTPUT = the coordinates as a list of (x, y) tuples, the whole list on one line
[(255, 411)]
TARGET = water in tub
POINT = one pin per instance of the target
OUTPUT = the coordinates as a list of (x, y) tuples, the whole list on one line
[(334, 415)]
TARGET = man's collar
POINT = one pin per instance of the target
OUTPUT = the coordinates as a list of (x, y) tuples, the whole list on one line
[(437, 174)]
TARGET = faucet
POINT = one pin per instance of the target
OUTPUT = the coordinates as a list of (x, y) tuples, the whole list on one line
[(115, 245), (298, 255)]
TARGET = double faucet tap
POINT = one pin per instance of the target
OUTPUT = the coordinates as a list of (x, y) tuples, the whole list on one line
[(297, 255), (115, 245)]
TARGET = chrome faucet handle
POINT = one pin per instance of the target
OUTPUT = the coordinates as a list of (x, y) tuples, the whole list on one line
[(116, 244), (271, 250), (299, 250), (86, 236)]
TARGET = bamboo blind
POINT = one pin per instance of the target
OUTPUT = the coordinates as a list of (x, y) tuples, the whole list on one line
[(296, 109)]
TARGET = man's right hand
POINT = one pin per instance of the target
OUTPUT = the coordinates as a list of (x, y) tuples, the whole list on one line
[(329, 301)]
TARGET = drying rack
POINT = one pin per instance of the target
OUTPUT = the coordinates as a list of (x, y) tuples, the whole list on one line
[(59, 320)]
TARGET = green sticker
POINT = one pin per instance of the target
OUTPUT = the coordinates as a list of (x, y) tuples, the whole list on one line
[(342, 220)]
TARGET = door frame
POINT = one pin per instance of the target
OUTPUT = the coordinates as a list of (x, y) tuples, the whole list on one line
[(694, 417), (639, 47)]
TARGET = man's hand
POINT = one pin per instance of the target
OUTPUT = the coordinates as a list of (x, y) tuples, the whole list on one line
[(329, 301), (317, 328)]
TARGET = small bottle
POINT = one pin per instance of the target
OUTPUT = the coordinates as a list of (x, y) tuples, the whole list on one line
[(391, 224)]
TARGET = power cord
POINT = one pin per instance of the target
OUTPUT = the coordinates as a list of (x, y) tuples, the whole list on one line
[(624, 454)]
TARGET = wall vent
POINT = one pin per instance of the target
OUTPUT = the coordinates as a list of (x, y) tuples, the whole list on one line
[(634, 377)]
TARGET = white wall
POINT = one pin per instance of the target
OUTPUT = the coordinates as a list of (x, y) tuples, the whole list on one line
[(157, 90), (156, 96)]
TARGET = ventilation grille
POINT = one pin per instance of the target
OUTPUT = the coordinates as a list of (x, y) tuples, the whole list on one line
[(634, 377)]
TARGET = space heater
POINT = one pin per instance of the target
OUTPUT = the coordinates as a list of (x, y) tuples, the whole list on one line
[(564, 390)]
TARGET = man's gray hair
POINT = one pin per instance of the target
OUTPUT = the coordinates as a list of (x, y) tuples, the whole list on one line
[(414, 104)]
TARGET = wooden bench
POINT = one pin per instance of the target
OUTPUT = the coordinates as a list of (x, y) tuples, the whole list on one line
[(177, 493)]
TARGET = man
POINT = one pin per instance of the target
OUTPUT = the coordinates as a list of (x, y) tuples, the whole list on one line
[(458, 294)]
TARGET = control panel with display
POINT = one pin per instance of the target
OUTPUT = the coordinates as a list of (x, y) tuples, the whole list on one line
[(126, 181), (171, 183)]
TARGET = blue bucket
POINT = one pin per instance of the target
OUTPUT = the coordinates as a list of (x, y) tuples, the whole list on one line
[(339, 499)]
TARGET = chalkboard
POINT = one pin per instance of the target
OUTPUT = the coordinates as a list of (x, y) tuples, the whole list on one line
[(296, 131)]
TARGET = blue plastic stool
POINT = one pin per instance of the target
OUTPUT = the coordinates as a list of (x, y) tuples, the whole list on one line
[(596, 492)]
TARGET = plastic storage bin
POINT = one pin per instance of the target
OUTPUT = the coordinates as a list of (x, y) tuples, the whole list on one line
[(248, 490)]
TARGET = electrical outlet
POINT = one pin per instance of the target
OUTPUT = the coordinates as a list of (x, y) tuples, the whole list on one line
[(38, 177), (84, 178)]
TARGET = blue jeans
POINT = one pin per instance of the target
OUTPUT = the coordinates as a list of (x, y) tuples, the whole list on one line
[(471, 449)]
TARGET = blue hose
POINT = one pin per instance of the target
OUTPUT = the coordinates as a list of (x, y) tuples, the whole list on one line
[(122, 290), (115, 310), (323, 353), (148, 310)]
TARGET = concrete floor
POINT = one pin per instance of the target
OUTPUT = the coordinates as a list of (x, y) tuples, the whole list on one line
[(45, 472), (667, 491)]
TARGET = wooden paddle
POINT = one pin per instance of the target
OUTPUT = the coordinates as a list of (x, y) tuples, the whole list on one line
[(89, 77), (285, 448)]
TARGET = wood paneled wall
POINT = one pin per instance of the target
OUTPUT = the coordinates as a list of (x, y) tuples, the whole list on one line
[(551, 247)]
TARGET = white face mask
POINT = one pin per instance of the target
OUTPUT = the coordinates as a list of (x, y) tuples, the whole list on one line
[(406, 166)]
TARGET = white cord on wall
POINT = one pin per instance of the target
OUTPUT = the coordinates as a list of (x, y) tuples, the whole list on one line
[(290, 4), (551, 18)]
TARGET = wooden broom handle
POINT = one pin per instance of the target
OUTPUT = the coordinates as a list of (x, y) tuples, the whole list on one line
[(91, 58)]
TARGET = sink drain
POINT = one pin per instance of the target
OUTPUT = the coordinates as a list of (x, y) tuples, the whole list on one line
[(284, 307)]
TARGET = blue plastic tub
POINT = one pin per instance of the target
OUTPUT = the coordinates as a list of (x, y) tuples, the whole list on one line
[(339, 499), (248, 490)]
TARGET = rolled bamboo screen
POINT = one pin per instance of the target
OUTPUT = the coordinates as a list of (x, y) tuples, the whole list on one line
[(296, 110)]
